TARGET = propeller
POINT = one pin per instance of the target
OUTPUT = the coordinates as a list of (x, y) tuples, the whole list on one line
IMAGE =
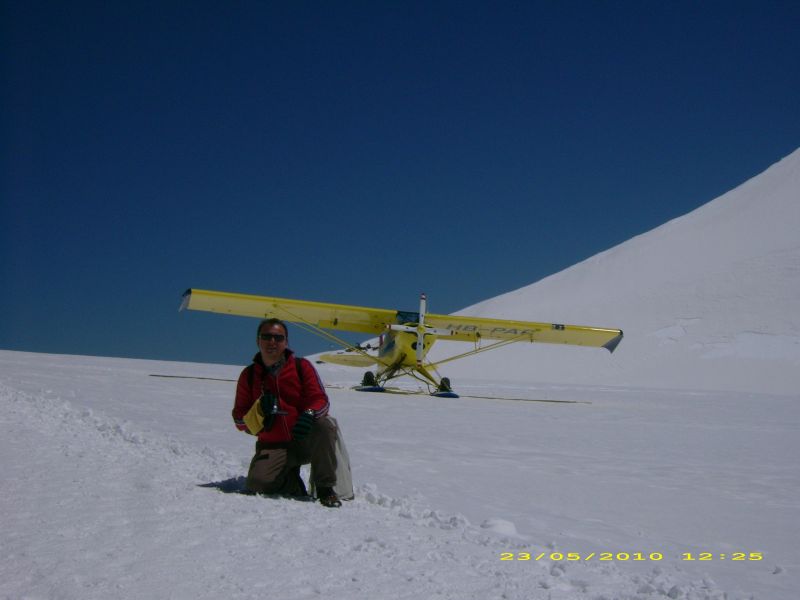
[(423, 306), (421, 330)]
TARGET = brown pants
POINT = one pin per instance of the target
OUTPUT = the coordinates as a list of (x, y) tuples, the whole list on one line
[(277, 470)]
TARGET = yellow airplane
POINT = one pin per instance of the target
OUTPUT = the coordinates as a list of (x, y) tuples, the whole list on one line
[(405, 338)]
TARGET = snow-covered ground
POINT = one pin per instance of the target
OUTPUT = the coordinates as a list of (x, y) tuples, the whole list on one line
[(681, 445), (106, 473)]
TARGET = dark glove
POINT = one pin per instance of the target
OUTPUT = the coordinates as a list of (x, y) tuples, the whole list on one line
[(303, 426)]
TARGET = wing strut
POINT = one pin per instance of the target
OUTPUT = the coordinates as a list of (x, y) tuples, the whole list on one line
[(478, 350), (311, 328)]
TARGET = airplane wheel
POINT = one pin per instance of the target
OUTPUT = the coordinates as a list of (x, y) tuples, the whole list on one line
[(444, 385), (369, 379)]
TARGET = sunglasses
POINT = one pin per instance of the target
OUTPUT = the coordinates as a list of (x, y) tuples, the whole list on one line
[(271, 337)]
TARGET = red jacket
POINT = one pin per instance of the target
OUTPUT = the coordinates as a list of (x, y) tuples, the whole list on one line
[(295, 395)]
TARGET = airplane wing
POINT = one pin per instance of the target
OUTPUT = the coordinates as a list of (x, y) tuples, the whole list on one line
[(319, 314), (477, 328), (375, 320)]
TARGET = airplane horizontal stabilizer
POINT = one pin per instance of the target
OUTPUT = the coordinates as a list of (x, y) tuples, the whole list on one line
[(349, 359)]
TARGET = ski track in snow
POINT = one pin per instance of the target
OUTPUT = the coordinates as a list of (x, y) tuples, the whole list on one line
[(94, 508)]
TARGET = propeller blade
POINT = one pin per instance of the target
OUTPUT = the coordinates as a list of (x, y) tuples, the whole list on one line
[(423, 305)]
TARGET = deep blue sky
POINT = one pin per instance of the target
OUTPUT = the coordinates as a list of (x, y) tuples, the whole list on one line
[(356, 152)]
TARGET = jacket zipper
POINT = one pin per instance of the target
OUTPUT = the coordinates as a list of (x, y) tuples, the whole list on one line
[(280, 401)]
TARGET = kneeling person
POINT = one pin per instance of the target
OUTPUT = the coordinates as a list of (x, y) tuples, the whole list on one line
[(281, 400)]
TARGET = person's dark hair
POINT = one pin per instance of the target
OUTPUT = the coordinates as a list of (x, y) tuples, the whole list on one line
[(270, 323)]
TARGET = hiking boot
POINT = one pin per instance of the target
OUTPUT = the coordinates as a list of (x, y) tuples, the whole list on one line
[(327, 497)]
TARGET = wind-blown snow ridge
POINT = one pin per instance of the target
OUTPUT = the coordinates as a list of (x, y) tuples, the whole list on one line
[(133, 521)]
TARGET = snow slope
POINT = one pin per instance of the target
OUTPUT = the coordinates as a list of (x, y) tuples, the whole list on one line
[(707, 301)]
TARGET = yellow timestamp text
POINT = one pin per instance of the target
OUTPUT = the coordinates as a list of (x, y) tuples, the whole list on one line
[(628, 556), (578, 556), (722, 556)]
